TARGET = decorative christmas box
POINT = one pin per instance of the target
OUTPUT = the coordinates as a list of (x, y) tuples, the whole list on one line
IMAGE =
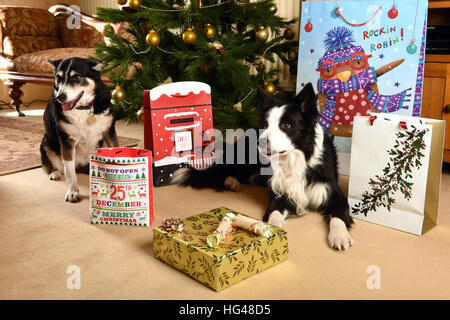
[(178, 127), (362, 56), (239, 256), (121, 188)]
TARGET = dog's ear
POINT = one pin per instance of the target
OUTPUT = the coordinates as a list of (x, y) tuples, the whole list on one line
[(266, 101), (98, 66), (306, 99), (55, 63)]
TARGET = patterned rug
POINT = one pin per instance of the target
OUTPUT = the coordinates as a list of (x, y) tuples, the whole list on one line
[(20, 141)]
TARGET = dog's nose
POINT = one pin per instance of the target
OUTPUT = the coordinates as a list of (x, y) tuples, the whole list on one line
[(61, 97), (263, 145)]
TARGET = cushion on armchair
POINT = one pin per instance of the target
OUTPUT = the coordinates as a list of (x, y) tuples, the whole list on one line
[(37, 62), (85, 37), (27, 30), (29, 37)]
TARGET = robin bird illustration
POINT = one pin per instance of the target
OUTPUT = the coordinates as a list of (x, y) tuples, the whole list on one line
[(348, 84)]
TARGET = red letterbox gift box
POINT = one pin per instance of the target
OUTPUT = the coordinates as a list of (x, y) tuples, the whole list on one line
[(178, 128)]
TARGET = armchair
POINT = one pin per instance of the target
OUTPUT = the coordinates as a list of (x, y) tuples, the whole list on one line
[(29, 37)]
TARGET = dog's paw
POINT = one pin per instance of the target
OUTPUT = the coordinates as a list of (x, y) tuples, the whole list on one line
[(276, 218), (232, 184), (300, 212), (72, 196), (340, 240), (55, 175), (339, 237)]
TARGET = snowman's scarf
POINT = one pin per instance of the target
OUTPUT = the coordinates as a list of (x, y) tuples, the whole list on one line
[(362, 80)]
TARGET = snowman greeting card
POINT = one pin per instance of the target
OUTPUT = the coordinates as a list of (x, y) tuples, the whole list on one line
[(362, 57)]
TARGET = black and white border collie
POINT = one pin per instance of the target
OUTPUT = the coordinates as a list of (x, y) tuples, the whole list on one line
[(78, 120), (303, 161)]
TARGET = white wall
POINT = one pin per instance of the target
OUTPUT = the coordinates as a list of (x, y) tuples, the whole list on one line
[(288, 9), (89, 6), (45, 4)]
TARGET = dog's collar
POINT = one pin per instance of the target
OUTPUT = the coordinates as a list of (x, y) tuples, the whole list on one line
[(88, 107)]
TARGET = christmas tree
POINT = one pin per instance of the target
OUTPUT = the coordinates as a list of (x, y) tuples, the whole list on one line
[(224, 43)]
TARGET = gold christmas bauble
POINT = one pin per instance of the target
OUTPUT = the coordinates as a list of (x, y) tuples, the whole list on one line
[(210, 32), (289, 33), (189, 36), (293, 54), (152, 38), (262, 34), (134, 4), (107, 29), (269, 88), (118, 94), (140, 114), (273, 9), (121, 2)]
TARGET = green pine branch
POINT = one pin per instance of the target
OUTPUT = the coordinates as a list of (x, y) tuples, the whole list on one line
[(230, 72)]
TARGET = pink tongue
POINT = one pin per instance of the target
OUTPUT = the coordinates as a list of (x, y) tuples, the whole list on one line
[(69, 105)]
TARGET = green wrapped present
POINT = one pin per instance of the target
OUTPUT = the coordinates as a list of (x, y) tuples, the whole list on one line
[(241, 255)]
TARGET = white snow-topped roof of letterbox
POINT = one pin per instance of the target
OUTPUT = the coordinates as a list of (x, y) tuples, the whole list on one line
[(181, 88)]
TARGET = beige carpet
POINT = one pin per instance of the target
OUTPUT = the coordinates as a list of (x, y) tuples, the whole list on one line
[(41, 236), (20, 141)]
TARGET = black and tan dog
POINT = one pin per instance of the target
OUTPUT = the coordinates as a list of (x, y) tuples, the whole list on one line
[(78, 120)]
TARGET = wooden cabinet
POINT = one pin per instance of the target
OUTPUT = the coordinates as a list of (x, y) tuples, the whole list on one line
[(436, 94), (436, 84)]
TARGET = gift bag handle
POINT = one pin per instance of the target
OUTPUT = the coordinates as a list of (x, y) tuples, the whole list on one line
[(402, 123), (356, 24), (124, 152)]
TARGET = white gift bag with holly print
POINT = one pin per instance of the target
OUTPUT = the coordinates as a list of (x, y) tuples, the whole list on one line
[(395, 171)]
